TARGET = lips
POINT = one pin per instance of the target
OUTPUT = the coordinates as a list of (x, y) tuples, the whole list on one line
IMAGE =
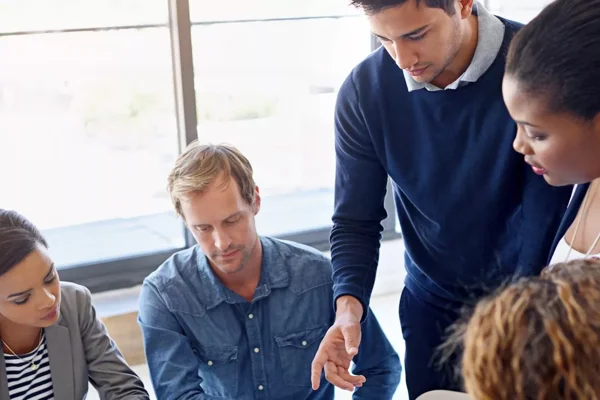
[(536, 168), (230, 254), (52, 313), (416, 71)]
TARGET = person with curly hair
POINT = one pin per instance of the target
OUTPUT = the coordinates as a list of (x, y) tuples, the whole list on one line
[(423, 118), (538, 338)]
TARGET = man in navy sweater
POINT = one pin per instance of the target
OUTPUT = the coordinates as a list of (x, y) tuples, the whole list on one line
[(426, 110)]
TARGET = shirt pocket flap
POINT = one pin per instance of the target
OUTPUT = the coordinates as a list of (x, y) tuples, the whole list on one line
[(215, 356), (302, 339)]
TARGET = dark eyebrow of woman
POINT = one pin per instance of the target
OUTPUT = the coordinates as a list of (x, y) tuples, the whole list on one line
[(526, 123), (29, 290)]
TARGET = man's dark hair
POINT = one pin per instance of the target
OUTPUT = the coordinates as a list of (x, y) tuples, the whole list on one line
[(18, 238), (557, 56), (371, 7)]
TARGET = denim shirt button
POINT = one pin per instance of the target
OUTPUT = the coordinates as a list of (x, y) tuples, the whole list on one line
[(209, 363), (256, 349), (260, 387), (250, 316), (304, 343)]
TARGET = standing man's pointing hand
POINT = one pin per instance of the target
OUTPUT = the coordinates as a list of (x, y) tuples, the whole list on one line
[(339, 346)]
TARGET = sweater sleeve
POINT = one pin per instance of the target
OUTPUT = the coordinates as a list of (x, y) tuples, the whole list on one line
[(360, 188)]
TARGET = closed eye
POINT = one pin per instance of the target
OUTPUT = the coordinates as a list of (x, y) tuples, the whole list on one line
[(417, 38), (537, 136), (22, 301)]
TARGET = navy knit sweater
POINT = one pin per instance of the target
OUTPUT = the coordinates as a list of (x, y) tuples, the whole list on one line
[(472, 213)]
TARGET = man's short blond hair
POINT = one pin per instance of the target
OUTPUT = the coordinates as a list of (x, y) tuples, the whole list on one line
[(200, 164)]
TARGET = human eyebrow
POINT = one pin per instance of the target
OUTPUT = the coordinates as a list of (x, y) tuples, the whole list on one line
[(406, 35), (237, 214), (50, 271), (416, 31), (19, 294), (527, 124)]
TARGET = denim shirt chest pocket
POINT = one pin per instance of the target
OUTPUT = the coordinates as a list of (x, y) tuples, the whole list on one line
[(219, 369), (296, 351)]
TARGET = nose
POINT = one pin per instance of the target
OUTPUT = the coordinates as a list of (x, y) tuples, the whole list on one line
[(404, 55), (222, 239), (48, 299), (521, 145)]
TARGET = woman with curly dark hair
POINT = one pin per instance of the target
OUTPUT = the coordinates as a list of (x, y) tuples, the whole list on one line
[(537, 339)]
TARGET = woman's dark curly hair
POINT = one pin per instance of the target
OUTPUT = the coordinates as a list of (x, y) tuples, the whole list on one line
[(537, 338)]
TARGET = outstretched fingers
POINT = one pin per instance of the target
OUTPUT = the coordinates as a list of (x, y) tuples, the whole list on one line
[(317, 367)]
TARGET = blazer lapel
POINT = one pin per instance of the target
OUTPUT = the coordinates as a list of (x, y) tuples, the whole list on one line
[(61, 361), (3, 379)]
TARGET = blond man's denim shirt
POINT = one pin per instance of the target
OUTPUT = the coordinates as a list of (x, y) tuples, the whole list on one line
[(204, 341)]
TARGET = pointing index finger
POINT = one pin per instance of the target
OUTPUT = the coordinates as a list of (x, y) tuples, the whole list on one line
[(317, 368)]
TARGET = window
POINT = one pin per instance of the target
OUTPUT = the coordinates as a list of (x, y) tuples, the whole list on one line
[(90, 126), (517, 10), (89, 105), (266, 76)]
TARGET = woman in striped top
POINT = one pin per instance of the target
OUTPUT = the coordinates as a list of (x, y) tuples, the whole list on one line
[(29, 375), (52, 341)]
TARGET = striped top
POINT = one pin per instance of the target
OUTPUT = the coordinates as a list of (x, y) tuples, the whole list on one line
[(25, 383)]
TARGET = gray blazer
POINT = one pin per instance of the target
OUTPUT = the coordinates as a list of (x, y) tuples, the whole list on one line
[(80, 350)]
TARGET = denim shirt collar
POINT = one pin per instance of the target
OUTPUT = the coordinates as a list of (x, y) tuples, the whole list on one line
[(273, 276)]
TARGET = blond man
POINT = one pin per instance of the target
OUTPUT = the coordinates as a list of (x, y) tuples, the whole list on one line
[(240, 316)]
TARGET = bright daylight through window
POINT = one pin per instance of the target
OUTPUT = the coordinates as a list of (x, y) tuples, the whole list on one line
[(88, 121)]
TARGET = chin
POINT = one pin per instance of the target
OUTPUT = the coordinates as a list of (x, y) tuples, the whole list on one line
[(423, 79), (47, 324), (429, 75), (230, 269), (553, 181), (43, 323)]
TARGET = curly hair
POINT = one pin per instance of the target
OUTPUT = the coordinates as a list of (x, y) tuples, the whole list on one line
[(537, 338), (581, 271)]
